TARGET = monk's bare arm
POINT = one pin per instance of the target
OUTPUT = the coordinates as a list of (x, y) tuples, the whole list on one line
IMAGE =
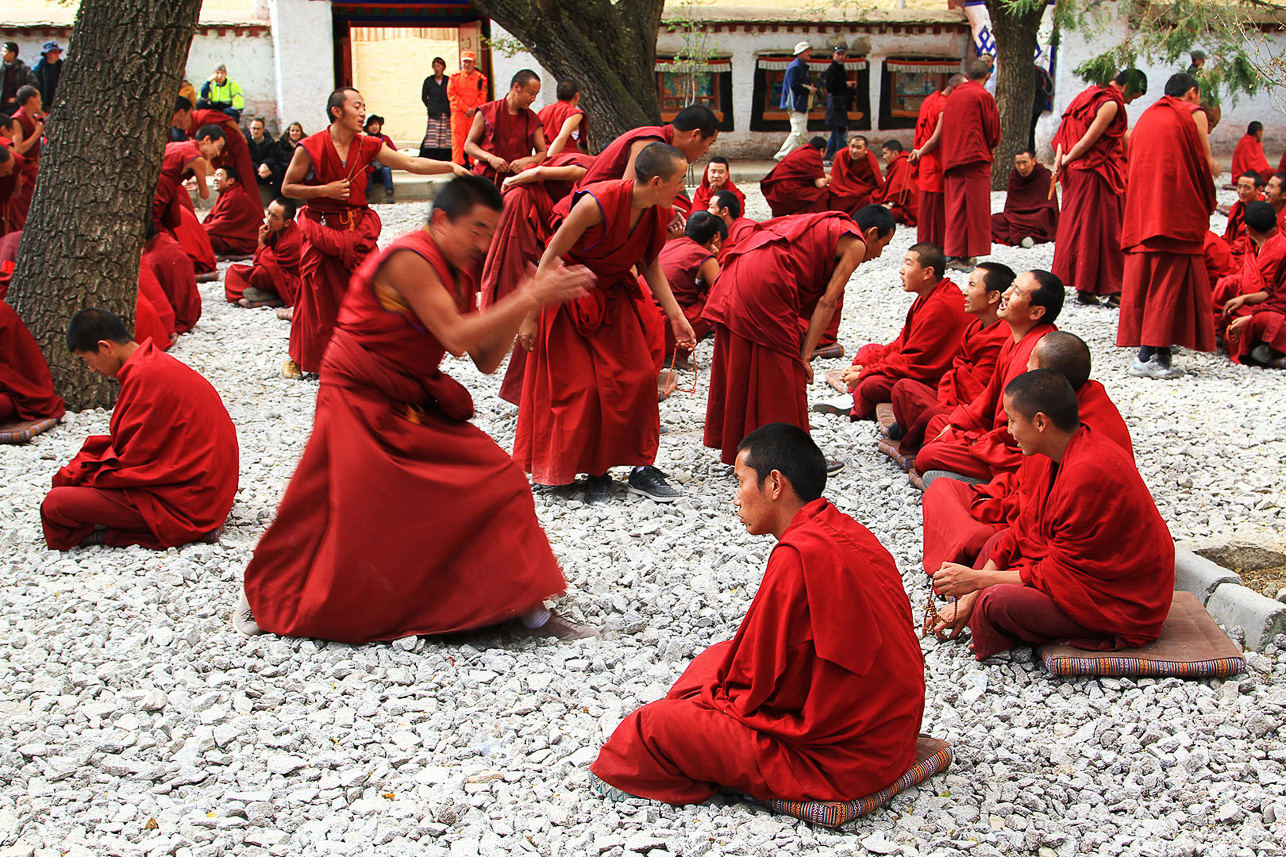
[(1203, 125), (584, 215), (22, 143), (954, 579), (660, 286), (538, 138), (420, 166), (570, 174), (473, 143), (931, 143), (634, 152), (1102, 119), (200, 169), (851, 251), (570, 124), (708, 272), (291, 183)]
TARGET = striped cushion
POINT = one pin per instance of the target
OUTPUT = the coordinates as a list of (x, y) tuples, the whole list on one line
[(24, 431), (931, 757), (885, 417), (890, 448)]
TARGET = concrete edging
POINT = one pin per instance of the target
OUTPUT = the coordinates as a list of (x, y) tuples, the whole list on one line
[(1232, 605)]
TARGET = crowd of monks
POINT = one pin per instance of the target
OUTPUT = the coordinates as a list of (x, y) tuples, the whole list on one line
[(588, 275)]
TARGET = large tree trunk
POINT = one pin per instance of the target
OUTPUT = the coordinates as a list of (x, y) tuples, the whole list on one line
[(1015, 31), (84, 236), (608, 46)]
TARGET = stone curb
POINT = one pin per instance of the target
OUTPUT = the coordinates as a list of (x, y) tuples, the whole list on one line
[(1198, 575), (1232, 605)]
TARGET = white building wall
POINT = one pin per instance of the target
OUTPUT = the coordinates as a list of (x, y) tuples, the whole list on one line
[(503, 68), (303, 60), (251, 62)]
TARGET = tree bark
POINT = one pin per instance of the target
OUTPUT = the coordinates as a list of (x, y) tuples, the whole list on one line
[(1015, 31), (84, 235), (608, 46)]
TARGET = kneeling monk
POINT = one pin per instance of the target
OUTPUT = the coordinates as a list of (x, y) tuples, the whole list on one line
[(820, 694), (403, 517), (1089, 562), (167, 473)]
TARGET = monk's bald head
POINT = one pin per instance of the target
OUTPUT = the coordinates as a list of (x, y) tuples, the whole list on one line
[(1260, 217), (1132, 82), (954, 81), (659, 160), (725, 201), (978, 70), (1043, 391), (1184, 87), (788, 450), (1065, 353)]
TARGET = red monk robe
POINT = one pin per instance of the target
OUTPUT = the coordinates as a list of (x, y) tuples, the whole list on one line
[(1260, 271), (901, 195), (737, 230), (1265, 272), (791, 185), (970, 131), (774, 276), (553, 116), (233, 224), (177, 277), (922, 351), (681, 260), (149, 287), (819, 696), (170, 196), (170, 461), (509, 137), (337, 236), (1092, 551), (1235, 232), (701, 198), (8, 260), (236, 151), (1087, 249), (275, 267), (347, 557), (21, 202), (26, 387), (1166, 299), (9, 185), (1029, 210), (1219, 258), (148, 326), (854, 183), (613, 160), (194, 240), (932, 220), (977, 441), (589, 392), (1248, 157)]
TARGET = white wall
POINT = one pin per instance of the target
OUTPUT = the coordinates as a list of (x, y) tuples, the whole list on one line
[(250, 61), (503, 69), (304, 61)]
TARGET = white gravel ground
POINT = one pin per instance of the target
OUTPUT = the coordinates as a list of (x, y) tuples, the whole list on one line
[(136, 721)]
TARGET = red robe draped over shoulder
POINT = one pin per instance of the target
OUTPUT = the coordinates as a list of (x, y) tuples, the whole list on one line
[(552, 117), (30, 166), (193, 239), (931, 224), (790, 186), (612, 161), (233, 224), (819, 696), (275, 267), (177, 277), (1219, 258), (1029, 210), (509, 137), (1248, 157), (854, 184), (349, 557), (929, 339), (150, 287), (974, 364), (970, 131), (701, 197), (1264, 271), (900, 193), (236, 151), (172, 448), (26, 387)]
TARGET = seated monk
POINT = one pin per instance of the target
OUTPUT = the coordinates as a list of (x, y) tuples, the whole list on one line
[(1249, 154), (1219, 258), (797, 183), (691, 268), (1254, 301), (184, 161), (26, 387), (564, 122), (345, 559), (820, 694), (727, 207), (973, 440), (928, 342), (1275, 195), (856, 181), (8, 260), (153, 295), (901, 195), (716, 177), (167, 474), (233, 224), (1089, 562), (1031, 213), (175, 275), (507, 136), (1250, 187), (915, 402), (272, 277)]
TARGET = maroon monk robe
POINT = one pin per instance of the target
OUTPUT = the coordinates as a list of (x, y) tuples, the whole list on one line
[(337, 236), (737, 230), (791, 185), (275, 267), (589, 391), (613, 160), (819, 696), (1087, 249), (8, 260), (1029, 210), (170, 195), (552, 118), (26, 387), (150, 287), (701, 197), (174, 272), (1219, 258), (9, 220), (854, 184), (1235, 232), (1092, 541), (148, 325), (21, 202), (171, 455), (194, 241), (900, 193), (1264, 272), (681, 260), (236, 151), (970, 131), (1166, 298), (931, 225), (347, 557), (233, 224), (775, 276), (509, 137), (922, 350), (977, 441), (1248, 157)]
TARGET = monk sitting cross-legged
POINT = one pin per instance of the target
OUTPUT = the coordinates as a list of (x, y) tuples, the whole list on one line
[(1249, 154), (175, 274), (1254, 301), (798, 183), (348, 557), (716, 178), (233, 224), (507, 136), (1089, 562), (272, 278), (167, 473), (856, 180), (691, 268), (820, 694), (1031, 214)]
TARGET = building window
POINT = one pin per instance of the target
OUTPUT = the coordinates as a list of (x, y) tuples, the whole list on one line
[(906, 82), (680, 83), (770, 71)]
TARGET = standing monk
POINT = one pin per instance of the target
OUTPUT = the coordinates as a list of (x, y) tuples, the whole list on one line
[(236, 151), (1090, 159), (272, 278), (566, 126), (797, 183), (589, 396), (900, 195), (932, 222), (31, 123), (692, 131), (10, 183), (466, 92), (233, 224), (970, 130), (328, 172), (506, 135), (1166, 298), (856, 181), (1031, 214)]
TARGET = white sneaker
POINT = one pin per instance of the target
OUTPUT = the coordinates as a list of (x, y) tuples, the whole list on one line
[(1027, 243), (243, 618), (839, 405), (1153, 369)]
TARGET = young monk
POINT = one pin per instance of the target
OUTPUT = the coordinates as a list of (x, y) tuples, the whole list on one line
[(797, 184), (157, 480), (30, 121), (691, 267), (176, 276), (932, 220), (26, 387), (1275, 195), (10, 183), (1249, 154), (328, 172), (900, 194), (507, 136), (233, 224), (1089, 562), (856, 180), (272, 277), (1250, 187), (716, 177), (692, 131), (589, 399), (970, 131), (788, 269), (725, 206), (1252, 302), (1030, 216), (820, 694), (236, 153), (564, 124), (346, 558), (915, 402)]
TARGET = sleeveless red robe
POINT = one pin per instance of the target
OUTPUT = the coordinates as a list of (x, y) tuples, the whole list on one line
[(970, 131), (30, 170), (931, 225), (612, 161), (552, 118), (9, 220), (505, 136)]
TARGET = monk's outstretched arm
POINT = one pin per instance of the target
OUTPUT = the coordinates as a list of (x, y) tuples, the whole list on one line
[(851, 253), (569, 174), (570, 124), (684, 335), (420, 166)]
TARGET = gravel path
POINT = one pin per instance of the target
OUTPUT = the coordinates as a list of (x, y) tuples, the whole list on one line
[(135, 721)]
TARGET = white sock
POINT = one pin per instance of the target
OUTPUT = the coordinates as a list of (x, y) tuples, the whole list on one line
[(536, 618)]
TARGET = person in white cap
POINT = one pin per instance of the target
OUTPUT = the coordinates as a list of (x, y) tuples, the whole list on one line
[(796, 91), (47, 70)]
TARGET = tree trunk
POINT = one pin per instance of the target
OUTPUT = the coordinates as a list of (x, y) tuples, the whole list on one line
[(607, 46), (84, 236), (1015, 31)]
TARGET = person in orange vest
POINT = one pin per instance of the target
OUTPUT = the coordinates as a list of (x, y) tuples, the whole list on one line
[(466, 91)]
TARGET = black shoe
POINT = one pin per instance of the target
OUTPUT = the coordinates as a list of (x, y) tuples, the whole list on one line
[(1114, 301), (1087, 298), (598, 488), (649, 482), (896, 432), (833, 466)]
